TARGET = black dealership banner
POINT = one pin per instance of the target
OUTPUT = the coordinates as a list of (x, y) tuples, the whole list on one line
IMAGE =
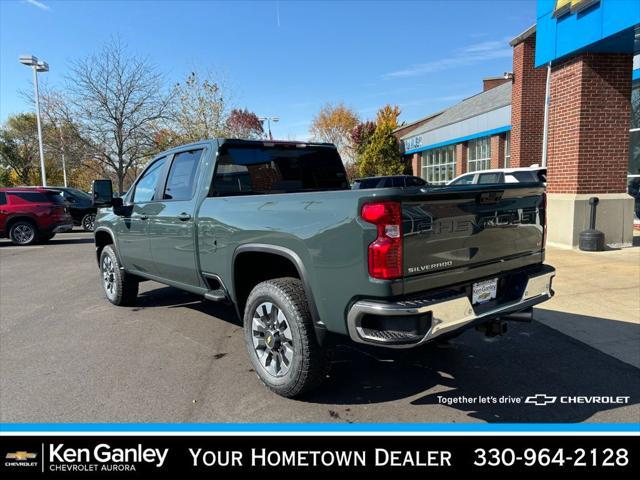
[(106, 455)]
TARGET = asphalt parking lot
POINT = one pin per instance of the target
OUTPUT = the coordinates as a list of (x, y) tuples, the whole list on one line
[(68, 355)]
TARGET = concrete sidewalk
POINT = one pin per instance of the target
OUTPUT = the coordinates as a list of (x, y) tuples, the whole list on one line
[(597, 300)]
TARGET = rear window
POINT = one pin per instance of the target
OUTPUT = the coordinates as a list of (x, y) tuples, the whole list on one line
[(3, 198), (525, 177), (255, 169), (38, 197)]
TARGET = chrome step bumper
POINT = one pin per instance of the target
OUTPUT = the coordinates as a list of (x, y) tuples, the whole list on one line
[(447, 315)]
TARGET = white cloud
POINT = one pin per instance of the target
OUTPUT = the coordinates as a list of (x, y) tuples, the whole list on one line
[(37, 4), (463, 57)]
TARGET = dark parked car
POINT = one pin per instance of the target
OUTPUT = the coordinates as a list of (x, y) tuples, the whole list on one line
[(391, 181), (80, 206), (273, 228), (30, 215)]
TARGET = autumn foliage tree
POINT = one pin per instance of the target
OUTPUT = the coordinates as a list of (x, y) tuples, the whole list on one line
[(244, 124), (381, 154), (361, 135), (334, 124)]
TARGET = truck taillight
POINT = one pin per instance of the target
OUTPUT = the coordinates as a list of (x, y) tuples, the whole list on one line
[(385, 252)]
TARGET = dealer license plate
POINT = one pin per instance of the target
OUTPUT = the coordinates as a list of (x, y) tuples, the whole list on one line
[(484, 291)]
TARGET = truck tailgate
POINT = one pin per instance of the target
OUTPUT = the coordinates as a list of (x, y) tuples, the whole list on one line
[(471, 226)]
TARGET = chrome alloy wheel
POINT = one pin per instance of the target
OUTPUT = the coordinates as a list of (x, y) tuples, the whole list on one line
[(88, 222), (272, 339), (24, 233), (108, 276)]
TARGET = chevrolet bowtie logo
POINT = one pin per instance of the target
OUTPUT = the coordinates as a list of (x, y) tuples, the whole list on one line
[(21, 456), (540, 399)]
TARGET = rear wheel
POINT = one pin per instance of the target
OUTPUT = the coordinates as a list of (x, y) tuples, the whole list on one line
[(281, 340), (120, 287), (88, 222), (23, 232)]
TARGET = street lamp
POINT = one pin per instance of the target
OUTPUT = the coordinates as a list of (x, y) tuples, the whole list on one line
[(269, 120), (37, 66)]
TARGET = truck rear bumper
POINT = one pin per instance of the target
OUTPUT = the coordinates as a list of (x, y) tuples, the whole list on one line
[(410, 323)]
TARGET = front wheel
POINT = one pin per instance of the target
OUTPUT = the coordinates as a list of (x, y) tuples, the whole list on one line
[(88, 222), (23, 233), (120, 287), (281, 340)]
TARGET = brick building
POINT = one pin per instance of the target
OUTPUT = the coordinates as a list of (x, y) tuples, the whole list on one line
[(583, 50)]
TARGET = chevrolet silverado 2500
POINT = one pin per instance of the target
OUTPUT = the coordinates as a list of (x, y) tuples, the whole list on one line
[(274, 229)]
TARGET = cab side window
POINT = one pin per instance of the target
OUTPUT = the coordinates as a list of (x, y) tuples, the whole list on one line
[(3, 198), (182, 174), (489, 178), (146, 186), (466, 180)]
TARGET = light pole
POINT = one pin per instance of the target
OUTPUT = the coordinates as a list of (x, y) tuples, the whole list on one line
[(269, 120), (37, 66)]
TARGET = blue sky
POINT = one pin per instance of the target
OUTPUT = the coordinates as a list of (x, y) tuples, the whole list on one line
[(282, 58)]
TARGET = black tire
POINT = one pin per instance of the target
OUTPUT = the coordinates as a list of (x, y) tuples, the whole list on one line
[(23, 232), (309, 362), (120, 287), (88, 222)]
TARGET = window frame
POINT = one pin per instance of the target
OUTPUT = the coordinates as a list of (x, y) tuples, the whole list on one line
[(436, 161), (479, 160), (167, 171), (131, 195), (507, 149), (213, 192)]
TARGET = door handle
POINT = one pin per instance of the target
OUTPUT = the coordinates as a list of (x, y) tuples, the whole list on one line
[(143, 217), (183, 217)]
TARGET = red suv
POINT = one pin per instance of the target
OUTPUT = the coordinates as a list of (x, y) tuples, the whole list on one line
[(29, 215)]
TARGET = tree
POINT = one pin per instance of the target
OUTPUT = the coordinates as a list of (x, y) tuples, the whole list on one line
[(19, 146), (62, 136), (119, 101), (200, 109), (244, 124), (352, 170), (334, 124), (381, 156), (361, 136)]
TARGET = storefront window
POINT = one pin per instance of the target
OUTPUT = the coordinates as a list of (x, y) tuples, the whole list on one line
[(439, 165), (633, 177), (507, 149), (479, 154)]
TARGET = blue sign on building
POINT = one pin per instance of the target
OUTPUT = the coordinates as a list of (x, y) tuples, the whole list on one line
[(567, 27)]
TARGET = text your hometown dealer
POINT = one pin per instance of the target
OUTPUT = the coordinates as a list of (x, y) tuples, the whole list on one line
[(104, 453)]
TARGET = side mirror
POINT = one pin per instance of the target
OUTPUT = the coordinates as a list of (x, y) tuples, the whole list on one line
[(102, 193), (119, 208)]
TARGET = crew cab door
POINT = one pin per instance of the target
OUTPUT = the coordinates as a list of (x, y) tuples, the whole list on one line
[(133, 230), (172, 227)]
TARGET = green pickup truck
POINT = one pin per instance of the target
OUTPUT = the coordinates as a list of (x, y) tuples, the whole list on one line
[(274, 229)]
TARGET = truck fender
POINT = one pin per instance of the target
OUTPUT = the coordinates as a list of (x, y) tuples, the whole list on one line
[(293, 257)]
